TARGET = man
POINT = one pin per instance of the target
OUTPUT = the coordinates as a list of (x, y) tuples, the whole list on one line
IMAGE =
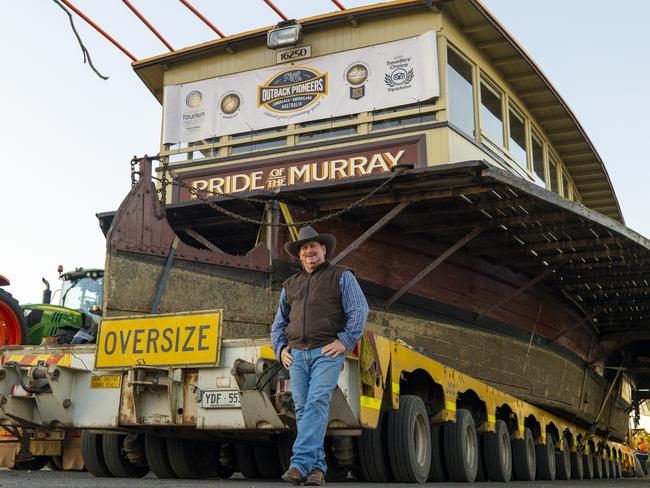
[(321, 314)]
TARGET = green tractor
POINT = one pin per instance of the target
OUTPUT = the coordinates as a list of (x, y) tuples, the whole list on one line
[(73, 320)]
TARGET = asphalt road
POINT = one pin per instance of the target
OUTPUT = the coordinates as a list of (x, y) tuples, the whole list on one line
[(58, 479)]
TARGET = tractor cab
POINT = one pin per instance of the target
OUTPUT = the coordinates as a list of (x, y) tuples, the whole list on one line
[(76, 317)]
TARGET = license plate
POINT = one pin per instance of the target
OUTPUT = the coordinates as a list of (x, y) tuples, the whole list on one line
[(220, 399)]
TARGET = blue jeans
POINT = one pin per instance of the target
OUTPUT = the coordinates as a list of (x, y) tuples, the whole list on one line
[(313, 379)]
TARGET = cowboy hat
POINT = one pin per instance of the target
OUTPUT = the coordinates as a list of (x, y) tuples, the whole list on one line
[(308, 234)]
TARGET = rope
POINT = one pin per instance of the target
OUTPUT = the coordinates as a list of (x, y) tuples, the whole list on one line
[(81, 44)]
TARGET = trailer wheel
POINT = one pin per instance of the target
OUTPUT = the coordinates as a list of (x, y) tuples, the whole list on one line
[(373, 457), (497, 453), (268, 463), (563, 461), (588, 466), (577, 468), (155, 448), (524, 463), (116, 460), (545, 455), (285, 447), (606, 474), (619, 470), (38, 462), (193, 459), (461, 447), (437, 469), (92, 454), (598, 466), (246, 461), (612, 468), (409, 440)]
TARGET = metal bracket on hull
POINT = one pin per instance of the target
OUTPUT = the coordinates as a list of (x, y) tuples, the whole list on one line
[(437, 262)]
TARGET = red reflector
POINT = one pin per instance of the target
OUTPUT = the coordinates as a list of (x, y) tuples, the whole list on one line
[(19, 391), (284, 385)]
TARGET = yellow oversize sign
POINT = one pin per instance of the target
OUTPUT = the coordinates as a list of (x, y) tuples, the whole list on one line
[(179, 339)]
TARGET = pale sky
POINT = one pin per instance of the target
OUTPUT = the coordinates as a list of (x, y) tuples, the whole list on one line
[(68, 136)]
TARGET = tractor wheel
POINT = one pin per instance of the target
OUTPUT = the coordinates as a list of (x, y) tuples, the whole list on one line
[(92, 454), (577, 466), (498, 453), (437, 470), (155, 448), (13, 326), (193, 459), (35, 464), (267, 462), (116, 458), (588, 466), (409, 440), (373, 454), (545, 455), (524, 463), (246, 461), (461, 447), (563, 461)]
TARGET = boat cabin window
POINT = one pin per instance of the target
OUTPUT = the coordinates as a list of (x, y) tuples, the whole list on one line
[(537, 154), (460, 92), (517, 140), (553, 178), (491, 114)]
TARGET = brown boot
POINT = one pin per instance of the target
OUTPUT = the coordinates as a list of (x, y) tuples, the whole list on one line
[(293, 476), (315, 478)]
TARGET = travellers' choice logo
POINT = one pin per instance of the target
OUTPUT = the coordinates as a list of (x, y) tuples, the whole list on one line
[(230, 103), (400, 73), (356, 75), (292, 90)]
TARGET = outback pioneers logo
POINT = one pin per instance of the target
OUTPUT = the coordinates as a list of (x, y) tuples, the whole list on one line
[(400, 73), (292, 90)]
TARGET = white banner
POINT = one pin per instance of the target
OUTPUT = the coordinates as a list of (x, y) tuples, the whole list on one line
[(360, 80)]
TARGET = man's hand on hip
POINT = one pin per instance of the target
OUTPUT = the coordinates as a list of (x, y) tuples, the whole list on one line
[(333, 349), (286, 357)]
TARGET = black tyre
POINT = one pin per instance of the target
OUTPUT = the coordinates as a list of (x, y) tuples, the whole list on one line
[(545, 456), (563, 461), (588, 466), (612, 468), (246, 461), (116, 460), (192, 459), (12, 321), (606, 472), (437, 471), (409, 440), (285, 446), (55, 463), (524, 463), (155, 448), (373, 455), (619, 470), (577, 467), (267, 462), (461, 448), (497, 453), (38, 462), (598, 466), (92, 454), (226, 460)]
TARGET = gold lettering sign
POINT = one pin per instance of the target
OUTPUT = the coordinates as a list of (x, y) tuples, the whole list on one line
[(302, 170)]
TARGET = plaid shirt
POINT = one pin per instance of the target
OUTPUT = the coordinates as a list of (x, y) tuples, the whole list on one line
[(354, 305)]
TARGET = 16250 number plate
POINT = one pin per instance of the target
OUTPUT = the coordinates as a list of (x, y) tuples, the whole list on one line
[(220, 399)]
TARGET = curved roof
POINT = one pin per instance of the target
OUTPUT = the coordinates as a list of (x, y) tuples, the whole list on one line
[(551, 111)]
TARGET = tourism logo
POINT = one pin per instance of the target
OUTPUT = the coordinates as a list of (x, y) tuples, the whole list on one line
[(230, 104), (292, 90), (356, 76), (194, 99), (400, 74)]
